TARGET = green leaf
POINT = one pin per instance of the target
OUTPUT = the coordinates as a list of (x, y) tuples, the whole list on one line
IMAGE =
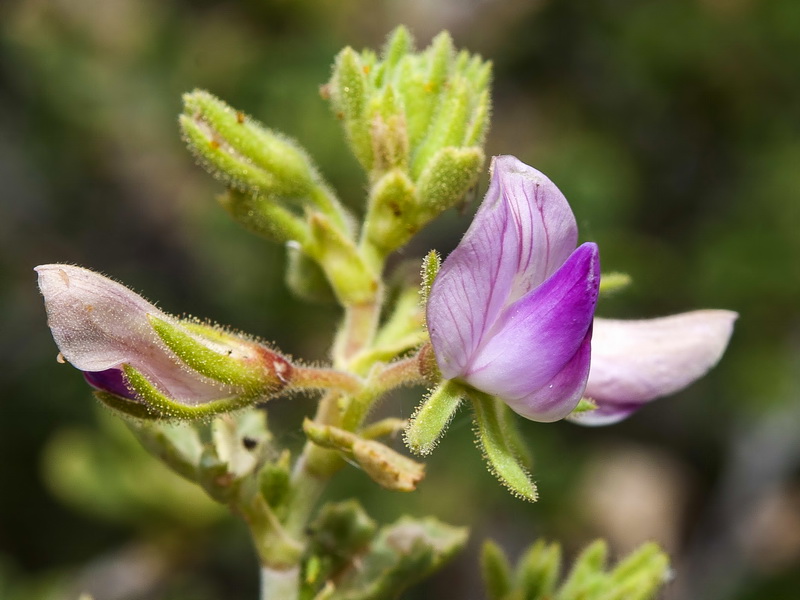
[(430, 420), (178, 446), (586, 579), (497, 449), (538, 570), (401, 555), (340, 531), (496, 571), (640, 575), (385, 466)]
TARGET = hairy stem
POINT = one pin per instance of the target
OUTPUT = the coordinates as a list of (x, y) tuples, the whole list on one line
[(356, 332)]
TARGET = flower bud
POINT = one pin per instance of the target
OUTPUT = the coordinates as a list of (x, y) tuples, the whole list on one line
[(256, 161), (241, 152), (416, 122), (130, 350)]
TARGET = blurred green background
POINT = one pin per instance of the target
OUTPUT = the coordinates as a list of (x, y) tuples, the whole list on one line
[(673, 127)]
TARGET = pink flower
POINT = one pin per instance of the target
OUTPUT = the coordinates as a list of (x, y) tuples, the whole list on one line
[(510, 312)]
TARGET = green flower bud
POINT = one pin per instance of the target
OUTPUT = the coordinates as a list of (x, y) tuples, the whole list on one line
[(241, 152), (416, 121)]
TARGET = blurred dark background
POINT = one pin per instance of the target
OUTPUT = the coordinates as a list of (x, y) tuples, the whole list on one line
[(672, 127)]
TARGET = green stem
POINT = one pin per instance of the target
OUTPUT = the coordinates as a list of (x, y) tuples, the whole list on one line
[(280, 584), (357, 331), (311, 378), (388, 377)]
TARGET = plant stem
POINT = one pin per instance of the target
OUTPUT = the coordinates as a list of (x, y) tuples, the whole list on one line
[(314, 378), (357, 331), (280, 584)]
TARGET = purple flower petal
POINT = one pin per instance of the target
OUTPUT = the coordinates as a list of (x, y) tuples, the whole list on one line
[(110, 380), (542, 340), (559, 397), (523, 231), (634, 362)]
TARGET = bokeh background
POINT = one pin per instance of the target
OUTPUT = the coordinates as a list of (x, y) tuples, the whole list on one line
[(672, 127)]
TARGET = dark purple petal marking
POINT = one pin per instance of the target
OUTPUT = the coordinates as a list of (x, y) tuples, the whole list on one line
[(110, 380)]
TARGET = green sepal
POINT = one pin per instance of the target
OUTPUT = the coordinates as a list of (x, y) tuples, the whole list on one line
[(503, 462), (496, 571), (228, 167), (399, 44), (352, 281), (430, 420), (264, 160), (388, 133), (430, 269), (448, 127), (208, 362), (127, 408), (348, 94), (513, 436), (479, 121), (640, 575), (264, 216), (170, 409), (611, 283), (446, 178), (584, 405), (440, 55), (538, 570), (418, 97), (390, 220), (586, 578)]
